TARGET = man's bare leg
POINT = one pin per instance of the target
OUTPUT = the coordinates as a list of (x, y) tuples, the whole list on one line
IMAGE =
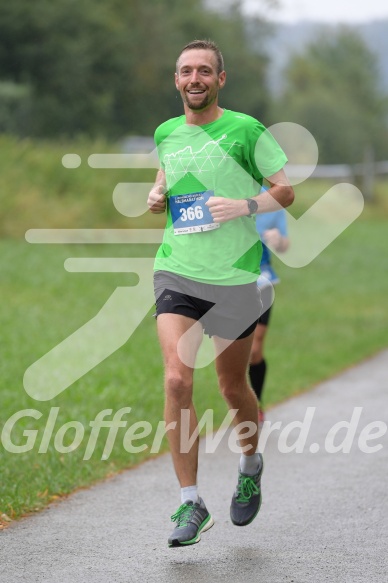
[(231, 366), (232, 375), (179, 391)]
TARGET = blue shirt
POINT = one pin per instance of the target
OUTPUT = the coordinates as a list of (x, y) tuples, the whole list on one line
[(264, 222)]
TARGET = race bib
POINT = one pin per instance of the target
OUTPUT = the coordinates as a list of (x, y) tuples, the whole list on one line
[(190, 213)]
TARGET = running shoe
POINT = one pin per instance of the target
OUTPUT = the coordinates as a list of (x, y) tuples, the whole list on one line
[(246, 500), (192, 519)]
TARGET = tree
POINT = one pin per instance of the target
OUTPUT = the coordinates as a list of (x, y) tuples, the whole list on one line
[(332, 90), (65, 53), (105, 67)]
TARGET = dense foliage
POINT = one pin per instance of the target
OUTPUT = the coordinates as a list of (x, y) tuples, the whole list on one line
[(106, 68), (332, 89)]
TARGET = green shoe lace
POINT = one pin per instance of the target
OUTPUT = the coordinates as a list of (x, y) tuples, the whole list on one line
[(183, 515), (246, 488)]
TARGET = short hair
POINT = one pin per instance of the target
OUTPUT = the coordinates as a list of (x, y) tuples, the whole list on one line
[(206, 45)]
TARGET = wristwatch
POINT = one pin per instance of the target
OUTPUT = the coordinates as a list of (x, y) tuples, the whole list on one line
[(252, 206)]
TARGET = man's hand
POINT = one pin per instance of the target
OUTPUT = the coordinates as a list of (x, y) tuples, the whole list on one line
[(225, 209), (274, 239), (157, 199)]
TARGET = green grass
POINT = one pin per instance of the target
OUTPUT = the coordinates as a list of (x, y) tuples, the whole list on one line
[(43, 304), (331, 313), (327, 316), (38, 192)]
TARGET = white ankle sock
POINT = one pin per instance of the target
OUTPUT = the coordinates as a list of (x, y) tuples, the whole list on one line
[(250, 464), (189, 493)]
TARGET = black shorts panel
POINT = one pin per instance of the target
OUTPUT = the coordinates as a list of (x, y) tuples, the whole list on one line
[(264, 318), (173, 302), (229, 312)]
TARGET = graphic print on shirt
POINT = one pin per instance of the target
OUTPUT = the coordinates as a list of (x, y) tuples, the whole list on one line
[(208, 158)]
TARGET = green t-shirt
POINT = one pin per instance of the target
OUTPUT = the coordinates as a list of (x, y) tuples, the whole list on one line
[(228, 157)]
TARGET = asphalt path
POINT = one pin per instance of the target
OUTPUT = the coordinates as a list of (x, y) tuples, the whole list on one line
[(324, 516)]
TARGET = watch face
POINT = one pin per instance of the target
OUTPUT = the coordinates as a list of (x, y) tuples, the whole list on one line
[(252, 206)]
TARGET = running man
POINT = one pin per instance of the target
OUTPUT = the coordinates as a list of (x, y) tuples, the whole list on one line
[(213, 162), (272, 228)]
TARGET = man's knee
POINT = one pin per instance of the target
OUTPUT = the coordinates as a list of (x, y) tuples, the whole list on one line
[(179, 388), (233, 389)]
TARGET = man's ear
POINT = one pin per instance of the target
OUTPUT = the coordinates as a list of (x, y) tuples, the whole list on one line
[(222, 79), (176, 80)]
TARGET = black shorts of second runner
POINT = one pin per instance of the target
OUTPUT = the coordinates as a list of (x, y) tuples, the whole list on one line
[(267, 297), (230, 312)]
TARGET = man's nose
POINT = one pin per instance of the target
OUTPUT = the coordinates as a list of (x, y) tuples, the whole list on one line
[(194, 76)]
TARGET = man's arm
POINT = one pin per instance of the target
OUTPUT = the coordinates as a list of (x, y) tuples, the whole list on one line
[(156, 199), (279, 195)]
